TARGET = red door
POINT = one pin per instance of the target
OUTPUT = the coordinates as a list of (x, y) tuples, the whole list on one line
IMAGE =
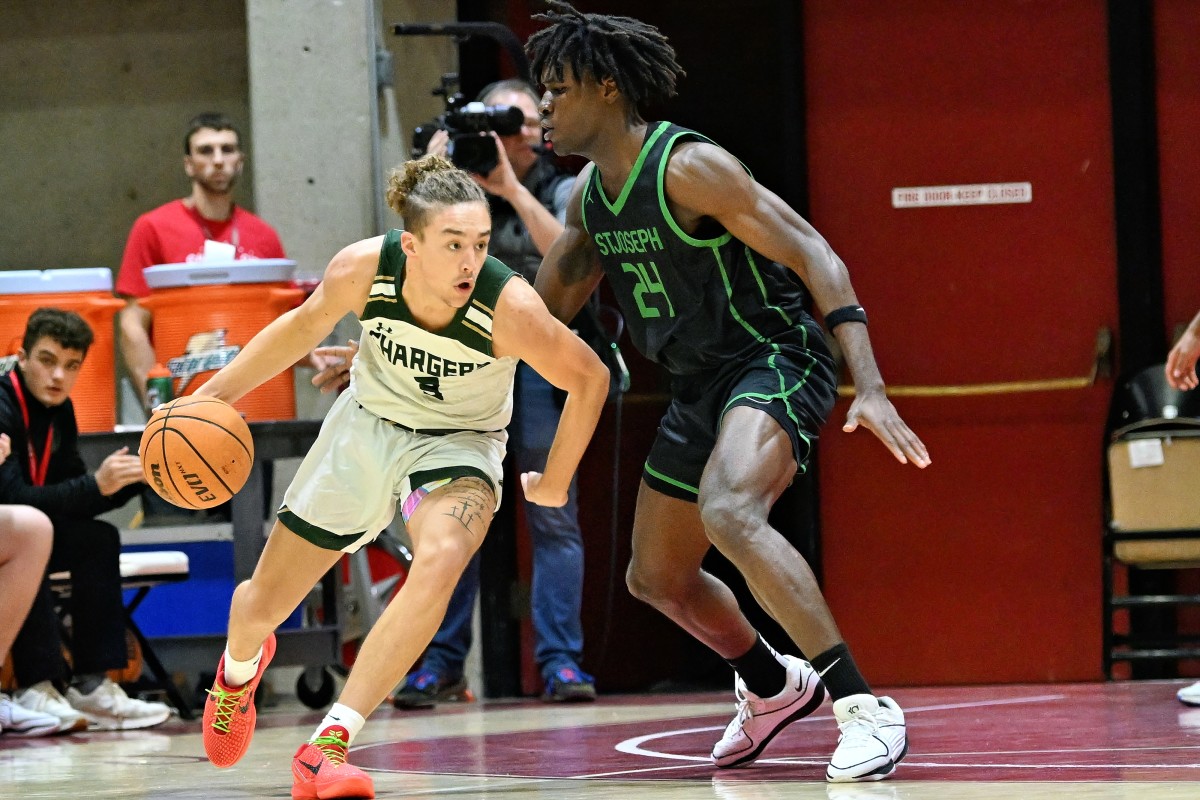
[(986, 566)]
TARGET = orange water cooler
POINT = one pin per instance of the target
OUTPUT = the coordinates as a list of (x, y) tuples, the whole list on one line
[(87, 292), (206, 312)]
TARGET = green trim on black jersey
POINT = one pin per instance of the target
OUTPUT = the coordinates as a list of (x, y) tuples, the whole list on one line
[(616, 207), (762, 289), (662, 194), (733, 309)]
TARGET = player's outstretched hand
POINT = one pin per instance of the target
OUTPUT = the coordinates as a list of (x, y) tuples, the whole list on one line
[(531, 483), (878, 415), (333, 366), (118, 471)]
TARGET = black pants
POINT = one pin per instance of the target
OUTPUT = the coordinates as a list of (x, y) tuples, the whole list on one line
[(90, 549)]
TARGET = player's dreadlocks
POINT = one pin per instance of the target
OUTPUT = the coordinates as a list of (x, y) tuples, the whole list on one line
[(635, 55)]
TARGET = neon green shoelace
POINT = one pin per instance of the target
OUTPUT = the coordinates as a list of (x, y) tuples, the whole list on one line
[(227, 703), (334, 747)]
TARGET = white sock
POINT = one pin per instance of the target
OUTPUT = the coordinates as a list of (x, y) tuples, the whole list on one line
[(346, 717), (239, 673)]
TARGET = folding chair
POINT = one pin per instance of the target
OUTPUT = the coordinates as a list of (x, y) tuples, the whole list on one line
[(142, 572)]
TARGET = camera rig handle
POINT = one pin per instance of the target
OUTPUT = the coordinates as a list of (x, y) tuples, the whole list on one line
[(462, 31)]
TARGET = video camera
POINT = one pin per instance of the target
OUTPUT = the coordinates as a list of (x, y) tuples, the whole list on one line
[(471, 146)]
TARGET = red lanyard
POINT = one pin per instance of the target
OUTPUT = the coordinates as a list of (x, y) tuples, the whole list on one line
[(37, 469)]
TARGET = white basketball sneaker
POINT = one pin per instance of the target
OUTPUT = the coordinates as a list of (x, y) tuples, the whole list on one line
[(16, 720), (108, 708), (873, 739), (758, 719), (1189, 695), (44, 698)]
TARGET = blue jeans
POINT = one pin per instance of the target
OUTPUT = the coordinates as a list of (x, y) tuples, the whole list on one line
[(557, 592)]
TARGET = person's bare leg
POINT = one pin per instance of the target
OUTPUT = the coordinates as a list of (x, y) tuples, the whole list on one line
[(669, 544), (26, 537), (287, 570), (447, 528), (749, 468)]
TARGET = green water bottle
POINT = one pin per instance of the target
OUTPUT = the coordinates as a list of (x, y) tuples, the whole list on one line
[(159, 387)]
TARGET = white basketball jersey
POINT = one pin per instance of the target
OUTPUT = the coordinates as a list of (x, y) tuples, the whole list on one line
[(449, 380)]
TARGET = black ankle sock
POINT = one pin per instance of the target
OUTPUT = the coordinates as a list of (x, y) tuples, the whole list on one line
[(760, 670), (86, 684), (839, 673)]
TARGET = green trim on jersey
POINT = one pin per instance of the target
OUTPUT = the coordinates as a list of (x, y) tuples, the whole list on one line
[(691, 303), (662, 192), (616, 207), (471, 325)]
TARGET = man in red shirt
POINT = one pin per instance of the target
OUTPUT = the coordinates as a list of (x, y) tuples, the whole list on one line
[(206, 223)]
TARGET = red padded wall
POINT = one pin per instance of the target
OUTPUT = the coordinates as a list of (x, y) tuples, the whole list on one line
[(986, 566)]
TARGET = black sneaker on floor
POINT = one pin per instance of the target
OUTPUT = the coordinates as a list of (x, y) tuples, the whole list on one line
[(425, 688), (569, 685)]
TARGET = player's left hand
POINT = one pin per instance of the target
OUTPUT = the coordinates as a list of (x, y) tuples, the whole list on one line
[(5, 447), (878, 415), (333, 366), (531, 484)]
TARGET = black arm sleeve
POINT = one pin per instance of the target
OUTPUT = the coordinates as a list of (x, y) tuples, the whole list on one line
[(72, 492)]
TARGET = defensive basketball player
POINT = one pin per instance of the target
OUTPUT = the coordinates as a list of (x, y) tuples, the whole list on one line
[(421, 427), (704, 262)]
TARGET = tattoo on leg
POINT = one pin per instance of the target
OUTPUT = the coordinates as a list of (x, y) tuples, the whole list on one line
[(471, 502)]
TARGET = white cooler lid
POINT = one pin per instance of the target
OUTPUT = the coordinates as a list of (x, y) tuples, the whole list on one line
[(209, 273), (58, 281)]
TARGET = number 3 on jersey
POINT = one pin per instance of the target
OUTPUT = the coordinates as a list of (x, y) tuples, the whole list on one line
[(430, 385), (648, 285)]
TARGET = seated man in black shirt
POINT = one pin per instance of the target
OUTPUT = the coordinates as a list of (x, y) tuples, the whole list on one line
[(48, 473)]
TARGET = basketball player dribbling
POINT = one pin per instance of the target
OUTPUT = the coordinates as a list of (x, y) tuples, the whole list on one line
[(698, 255), (421, 427)]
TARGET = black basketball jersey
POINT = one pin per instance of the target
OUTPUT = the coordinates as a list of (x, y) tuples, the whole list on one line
[(691, 304)]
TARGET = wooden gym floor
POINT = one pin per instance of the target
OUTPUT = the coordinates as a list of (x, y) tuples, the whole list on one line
[(1082, 741)]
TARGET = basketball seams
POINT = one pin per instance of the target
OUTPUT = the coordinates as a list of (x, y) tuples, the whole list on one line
[(161, 434), (215, 472), (232, 434)]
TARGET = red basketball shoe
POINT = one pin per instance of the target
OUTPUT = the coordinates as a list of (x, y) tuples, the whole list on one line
[(229, 714), (320, 771)]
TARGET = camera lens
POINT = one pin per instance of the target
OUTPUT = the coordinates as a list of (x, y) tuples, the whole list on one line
[(474, 152)]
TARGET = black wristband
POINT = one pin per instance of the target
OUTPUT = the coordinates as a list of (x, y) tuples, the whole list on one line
[(845, 314)]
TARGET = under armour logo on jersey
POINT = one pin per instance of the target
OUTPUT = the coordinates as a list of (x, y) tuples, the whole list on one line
[(429, 384)]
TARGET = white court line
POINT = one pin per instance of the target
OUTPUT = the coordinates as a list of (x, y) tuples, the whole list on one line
[(906, 763), (633, 746)]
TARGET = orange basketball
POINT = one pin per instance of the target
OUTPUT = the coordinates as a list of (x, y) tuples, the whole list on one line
[(196, 452)]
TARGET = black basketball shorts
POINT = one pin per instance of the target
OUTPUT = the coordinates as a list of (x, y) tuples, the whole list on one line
[(796, 386)]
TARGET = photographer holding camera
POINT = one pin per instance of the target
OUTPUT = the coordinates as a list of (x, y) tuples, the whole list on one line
[(528, 195)]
